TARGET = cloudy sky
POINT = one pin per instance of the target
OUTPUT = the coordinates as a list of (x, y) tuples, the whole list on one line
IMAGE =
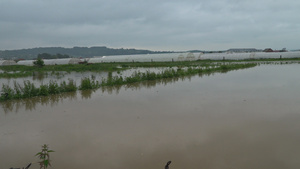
[(150, 24)]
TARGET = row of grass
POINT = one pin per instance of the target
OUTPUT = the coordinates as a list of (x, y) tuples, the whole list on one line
[(15, 74), (15, 71), (171, 73), (28, 89)]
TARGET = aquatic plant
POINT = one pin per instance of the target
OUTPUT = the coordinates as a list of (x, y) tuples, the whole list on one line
[(43, 90), (89, 83), (53, 87), (7, 93), (44, 156), (29, 89), (68, 87)]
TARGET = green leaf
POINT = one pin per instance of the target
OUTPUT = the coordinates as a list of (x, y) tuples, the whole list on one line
[(38, 153), (46, 162)]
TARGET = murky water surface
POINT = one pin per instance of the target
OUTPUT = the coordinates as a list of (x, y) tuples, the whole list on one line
[(245, 119)]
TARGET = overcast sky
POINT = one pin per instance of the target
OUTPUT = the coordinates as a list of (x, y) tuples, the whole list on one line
[(150, 24)]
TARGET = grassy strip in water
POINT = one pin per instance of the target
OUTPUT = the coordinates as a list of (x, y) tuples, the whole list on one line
[(68, 67), (15, 74), (15, 71), (89, 83), (171, 73), (29, 89)]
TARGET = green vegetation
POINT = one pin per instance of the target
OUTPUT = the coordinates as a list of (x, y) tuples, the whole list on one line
[(29, 90), (44, 156), (89, 83), (171, 73), (39, 62), (23, 71), (15, 74), (49, 56)]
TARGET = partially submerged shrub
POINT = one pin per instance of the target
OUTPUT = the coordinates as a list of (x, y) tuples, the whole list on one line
[(44, 156)]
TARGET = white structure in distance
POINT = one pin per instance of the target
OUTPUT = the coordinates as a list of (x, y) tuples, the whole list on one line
[(193, 56), (7, 62), (164, 57)]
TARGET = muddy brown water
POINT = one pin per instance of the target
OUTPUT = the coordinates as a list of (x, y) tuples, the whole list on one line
[(245, 119)]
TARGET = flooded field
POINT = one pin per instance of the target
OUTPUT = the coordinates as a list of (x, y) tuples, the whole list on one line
[(244, 119), (39, 78)]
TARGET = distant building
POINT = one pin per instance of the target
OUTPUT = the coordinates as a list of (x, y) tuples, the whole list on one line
[(271, 50), (242, 50), (268, 50)]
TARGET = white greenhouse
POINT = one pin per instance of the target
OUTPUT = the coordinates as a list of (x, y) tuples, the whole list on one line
[(26, 62), (164, 57), (61, 61), (227, 56), (190, 57), (52, 61), (242, 56), (180, 57), (260, 55), (168, 57), (7, 62)]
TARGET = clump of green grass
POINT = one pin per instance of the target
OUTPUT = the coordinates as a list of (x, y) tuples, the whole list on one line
[(30, 90), (68, 87), (89, 83)]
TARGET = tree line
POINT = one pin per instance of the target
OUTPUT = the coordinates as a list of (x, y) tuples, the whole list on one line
[(49, 56), (73, 52)]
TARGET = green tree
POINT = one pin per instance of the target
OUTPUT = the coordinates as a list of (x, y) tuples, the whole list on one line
[(39, 62), (45, 56)]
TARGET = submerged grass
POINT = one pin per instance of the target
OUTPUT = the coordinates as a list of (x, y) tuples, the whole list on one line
[(171, 73), (89, 83), (28, 89)]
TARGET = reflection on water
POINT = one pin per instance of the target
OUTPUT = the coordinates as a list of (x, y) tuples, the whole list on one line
[(86, 94), (30, 103), (39, 78), (242, 119)]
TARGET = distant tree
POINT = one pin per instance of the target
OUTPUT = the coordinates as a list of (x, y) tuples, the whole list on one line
[(39, 62), (50, 56), (60, 56), (45, 56)]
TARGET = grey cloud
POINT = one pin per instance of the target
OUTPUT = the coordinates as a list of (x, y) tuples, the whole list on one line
[(167, 25)]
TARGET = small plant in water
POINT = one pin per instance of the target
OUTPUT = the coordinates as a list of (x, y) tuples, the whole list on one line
[(44, 156)]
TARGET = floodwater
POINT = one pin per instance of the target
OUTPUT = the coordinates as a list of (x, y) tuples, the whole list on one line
[(59, 76), (244, 119)]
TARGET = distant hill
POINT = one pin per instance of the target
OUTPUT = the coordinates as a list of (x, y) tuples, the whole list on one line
[(72, 52)]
